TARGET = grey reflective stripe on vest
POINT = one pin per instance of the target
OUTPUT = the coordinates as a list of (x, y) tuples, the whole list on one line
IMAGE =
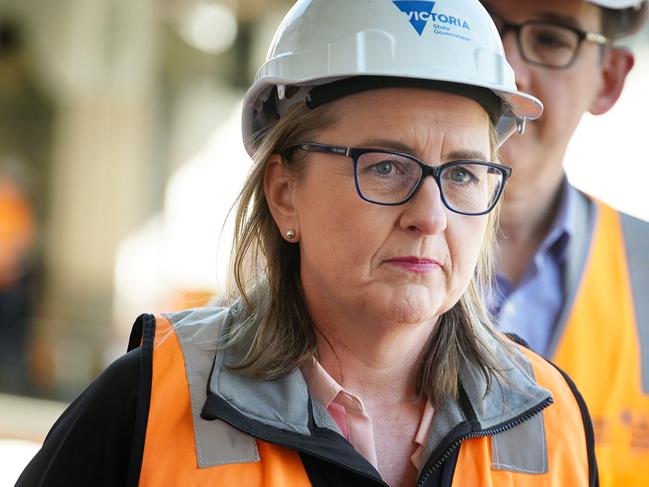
[(636, 244), (217, 443), (578, 250), (512, 451), (524, 447)]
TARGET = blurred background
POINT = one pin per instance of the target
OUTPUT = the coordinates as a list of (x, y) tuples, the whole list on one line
[(120, 155)]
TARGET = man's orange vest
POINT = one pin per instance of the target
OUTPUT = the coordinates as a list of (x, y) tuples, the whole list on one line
[(600, 345), (170, 448)]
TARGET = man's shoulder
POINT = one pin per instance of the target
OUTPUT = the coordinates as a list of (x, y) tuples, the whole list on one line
[(636, 223), (635, 226), (635, 232)]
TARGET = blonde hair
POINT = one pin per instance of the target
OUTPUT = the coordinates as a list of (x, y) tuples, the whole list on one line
[(278, 332)]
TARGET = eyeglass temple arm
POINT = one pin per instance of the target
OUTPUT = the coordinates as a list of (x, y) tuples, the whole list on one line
[(597, 38)]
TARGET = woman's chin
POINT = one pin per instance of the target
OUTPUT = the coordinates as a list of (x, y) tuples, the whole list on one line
[(409, 308)]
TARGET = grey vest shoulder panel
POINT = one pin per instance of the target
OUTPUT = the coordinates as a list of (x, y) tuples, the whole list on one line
[(217, 443), (512, 451), (281, 403), (508, 398), (522, 448), (636, 243)]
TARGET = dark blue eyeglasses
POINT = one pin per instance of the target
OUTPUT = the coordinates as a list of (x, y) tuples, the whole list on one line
[(390, 178)]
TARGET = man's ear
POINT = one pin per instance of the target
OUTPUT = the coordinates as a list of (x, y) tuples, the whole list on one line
[(279, 186), (616, 65)]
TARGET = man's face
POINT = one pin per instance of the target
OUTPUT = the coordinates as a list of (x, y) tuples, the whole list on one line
[(566, 93)]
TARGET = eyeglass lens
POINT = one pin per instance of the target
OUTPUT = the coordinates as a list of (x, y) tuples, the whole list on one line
[(465, 187), (548, 44), (541, 42)]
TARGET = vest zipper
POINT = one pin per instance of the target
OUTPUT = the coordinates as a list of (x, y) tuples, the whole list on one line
[(486, 432)]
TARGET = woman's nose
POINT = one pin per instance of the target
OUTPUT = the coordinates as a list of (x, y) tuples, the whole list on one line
[(425, 213)]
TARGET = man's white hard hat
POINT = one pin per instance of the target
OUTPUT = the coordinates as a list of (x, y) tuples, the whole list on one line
[(631, 14), (321, 42), (618, 4)]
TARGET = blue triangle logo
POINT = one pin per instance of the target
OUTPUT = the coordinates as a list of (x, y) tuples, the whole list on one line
[(418, 12)]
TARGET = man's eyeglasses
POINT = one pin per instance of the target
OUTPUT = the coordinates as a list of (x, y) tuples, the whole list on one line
[(391, 178), (548, 43)]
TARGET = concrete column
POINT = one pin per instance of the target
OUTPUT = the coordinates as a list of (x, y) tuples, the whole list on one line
[(99, 58)]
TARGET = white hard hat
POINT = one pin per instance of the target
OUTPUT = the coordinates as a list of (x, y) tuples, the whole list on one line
[(629, 14), (617, 4), (321, 42)]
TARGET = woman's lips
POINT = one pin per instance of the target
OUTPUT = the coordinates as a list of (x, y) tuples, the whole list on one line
[(416, 264)]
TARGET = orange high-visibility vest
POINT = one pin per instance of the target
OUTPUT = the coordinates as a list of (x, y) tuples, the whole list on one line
[(567, 461), (169, 450), (600, 348), (170, 455)]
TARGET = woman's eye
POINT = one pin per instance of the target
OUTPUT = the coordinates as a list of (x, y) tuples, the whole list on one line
[(385, 168), (460, 175)]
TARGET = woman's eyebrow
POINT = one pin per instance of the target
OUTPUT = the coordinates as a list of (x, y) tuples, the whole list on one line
[(389, 144), (466, 154), (399, 146)]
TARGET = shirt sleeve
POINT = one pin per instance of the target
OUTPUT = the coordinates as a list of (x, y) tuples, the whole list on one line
[(92, 442)]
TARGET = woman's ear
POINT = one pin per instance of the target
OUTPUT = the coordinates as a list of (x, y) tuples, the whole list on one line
[(616, 65), (279, 188)]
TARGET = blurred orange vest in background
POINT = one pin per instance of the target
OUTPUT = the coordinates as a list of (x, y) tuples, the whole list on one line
[(608, 366)]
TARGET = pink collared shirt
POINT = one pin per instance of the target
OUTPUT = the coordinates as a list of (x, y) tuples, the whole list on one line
[(348, 412)]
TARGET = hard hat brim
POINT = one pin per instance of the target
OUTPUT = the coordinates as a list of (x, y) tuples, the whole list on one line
[(517, 105)]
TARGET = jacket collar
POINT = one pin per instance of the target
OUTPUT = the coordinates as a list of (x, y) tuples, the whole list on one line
[(285, 404)]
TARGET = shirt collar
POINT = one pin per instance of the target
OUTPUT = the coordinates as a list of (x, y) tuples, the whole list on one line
[(558, 238), (422, 435), (325, 390), (323, 387)]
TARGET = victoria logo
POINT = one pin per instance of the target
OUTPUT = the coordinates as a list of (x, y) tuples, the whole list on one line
[(419, 12)]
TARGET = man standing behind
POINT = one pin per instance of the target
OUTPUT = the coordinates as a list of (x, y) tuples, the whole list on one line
[(573, 274)]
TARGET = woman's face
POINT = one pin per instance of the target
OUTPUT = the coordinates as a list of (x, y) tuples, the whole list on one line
[(392, 264)]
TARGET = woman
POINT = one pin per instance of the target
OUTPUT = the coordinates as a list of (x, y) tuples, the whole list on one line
[(356, 350)]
